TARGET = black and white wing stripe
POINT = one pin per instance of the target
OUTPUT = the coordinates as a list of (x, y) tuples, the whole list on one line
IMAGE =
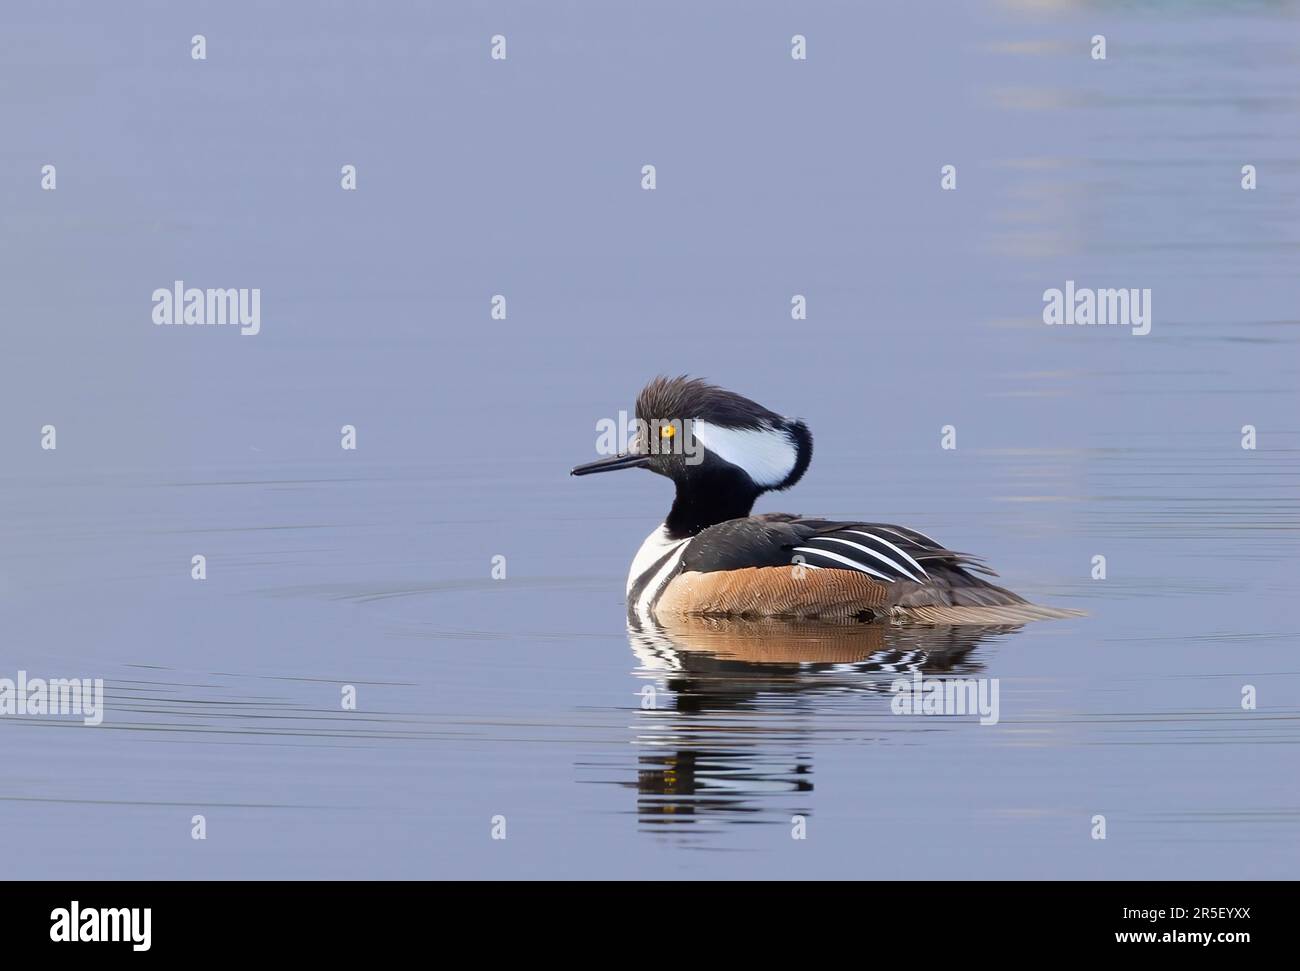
[(887, 553), (862, 549), (869, 552)]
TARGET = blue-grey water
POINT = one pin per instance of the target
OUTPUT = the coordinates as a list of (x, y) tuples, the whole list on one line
[(523, 697)]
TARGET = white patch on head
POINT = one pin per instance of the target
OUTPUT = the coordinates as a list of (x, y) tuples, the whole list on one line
[(768, 455)]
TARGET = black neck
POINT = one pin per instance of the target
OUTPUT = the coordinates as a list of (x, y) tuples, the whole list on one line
[(708, 497)]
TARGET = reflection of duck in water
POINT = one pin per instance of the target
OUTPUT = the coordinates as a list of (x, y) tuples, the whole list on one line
[(749, 657), (712, 558), (732, 740)]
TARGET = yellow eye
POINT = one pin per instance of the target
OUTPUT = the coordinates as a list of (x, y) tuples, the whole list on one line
[(667, 431)]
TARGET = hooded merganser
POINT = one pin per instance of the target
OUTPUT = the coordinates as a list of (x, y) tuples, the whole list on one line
[(712, 558)]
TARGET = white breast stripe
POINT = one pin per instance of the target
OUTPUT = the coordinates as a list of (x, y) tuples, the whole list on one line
[(655, 546), (845, 560), (652, 589), (866, 549), (900, 552), (766, 454), (651, 593)]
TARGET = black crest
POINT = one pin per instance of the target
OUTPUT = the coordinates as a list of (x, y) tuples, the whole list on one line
[(684, 398)]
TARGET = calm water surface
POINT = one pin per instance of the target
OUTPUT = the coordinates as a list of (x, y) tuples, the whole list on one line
[(523, 697)]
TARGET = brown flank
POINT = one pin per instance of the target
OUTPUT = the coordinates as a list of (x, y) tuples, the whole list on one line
[(833, 595)]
